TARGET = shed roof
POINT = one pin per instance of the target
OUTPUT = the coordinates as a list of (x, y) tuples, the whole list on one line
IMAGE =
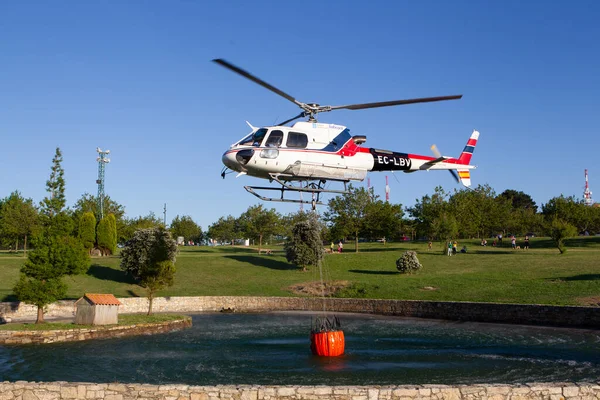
[(102, 299)]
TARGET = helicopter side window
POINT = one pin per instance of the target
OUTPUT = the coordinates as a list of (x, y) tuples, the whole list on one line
[(297, 140), (275, 139)]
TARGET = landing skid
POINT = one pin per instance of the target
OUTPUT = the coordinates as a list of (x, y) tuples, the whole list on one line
[(315, 187)]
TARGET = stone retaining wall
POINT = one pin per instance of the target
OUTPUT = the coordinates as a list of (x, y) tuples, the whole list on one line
[(100, 332), (531, 314), (116, 391)]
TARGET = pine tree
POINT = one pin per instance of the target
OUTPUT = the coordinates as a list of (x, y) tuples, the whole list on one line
[(54, 257), (56, 253), (55, 186)]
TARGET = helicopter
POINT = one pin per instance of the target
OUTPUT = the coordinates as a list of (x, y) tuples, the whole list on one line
[(304, 157)]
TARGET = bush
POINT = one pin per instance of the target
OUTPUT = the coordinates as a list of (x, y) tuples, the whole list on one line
[(408, 263), (107, 235), (87, 230)]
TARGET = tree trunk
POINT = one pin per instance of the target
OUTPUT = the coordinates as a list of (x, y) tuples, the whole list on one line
[(25, 247), (17, 245), (150, 299), (356, 242), (259, 243), (40, 315)]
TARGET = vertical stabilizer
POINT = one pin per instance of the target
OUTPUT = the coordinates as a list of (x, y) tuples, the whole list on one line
[(467, 153)]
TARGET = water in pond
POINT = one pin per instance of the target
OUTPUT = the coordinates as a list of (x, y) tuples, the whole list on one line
[(273, 348)]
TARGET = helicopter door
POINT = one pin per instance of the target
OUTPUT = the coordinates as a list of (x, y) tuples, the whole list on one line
[(275, 139)]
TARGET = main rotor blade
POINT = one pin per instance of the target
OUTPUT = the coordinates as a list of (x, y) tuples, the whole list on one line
[(396, 102), (302, 114), (254, 79)]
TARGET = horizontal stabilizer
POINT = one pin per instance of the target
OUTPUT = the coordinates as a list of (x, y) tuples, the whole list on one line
[(465, 177), (431, 163)]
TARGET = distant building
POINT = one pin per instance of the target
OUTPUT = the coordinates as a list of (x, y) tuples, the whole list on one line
[(97, 309)]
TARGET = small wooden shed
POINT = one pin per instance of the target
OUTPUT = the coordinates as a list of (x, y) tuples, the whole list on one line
[(97, 309)]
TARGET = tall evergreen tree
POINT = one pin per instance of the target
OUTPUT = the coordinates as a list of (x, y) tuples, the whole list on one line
[(55, 202), (56, 253)]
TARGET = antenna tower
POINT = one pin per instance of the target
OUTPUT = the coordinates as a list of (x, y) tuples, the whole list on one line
[(387, 190), (587, 194), (102, 161)]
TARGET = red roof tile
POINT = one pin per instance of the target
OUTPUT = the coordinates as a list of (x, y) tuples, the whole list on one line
[(103, 299)]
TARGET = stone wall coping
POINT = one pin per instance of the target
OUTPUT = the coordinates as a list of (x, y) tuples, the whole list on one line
[(23, 390)]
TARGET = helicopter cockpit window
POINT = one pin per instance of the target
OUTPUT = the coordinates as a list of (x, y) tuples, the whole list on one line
[(275, 139), (258, 137), (297, 140), (247, 141)]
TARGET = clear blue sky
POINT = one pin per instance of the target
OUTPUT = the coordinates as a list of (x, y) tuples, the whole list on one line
[(135, 77)]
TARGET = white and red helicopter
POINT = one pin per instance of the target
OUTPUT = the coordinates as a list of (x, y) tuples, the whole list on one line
[(305, 156)]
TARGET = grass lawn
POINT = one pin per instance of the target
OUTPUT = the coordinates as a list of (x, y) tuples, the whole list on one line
[(124, 319), (484, 274)]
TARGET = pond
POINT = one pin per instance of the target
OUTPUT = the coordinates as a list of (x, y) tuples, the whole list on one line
[(273, 348)]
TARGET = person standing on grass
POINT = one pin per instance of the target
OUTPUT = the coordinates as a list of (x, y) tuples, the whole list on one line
[(526, 244), (513, 242), (331, 247), (340, 246), (449, 248)]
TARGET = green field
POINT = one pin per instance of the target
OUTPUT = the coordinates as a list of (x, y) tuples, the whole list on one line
[(489, 274)]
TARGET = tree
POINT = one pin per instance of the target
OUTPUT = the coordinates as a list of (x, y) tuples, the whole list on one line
[(133, 224), (570, 210), (258, 223), (55, 186), (519, 200), (444, 227), (107, 235), (347, 212), (53, 257), (225, 229), (304, 246), (89, 203), (87, 230), (476, 211), (426, 210), (19, 218), (559, 231), (383, 220), (186, 227), (56, 253), (149, 257)]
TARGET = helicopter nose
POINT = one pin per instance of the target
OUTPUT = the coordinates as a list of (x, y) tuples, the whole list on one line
[(229, 159)]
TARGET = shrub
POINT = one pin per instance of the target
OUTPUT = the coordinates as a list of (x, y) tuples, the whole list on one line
[(408, 263), (107, 235), (87, 230)]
